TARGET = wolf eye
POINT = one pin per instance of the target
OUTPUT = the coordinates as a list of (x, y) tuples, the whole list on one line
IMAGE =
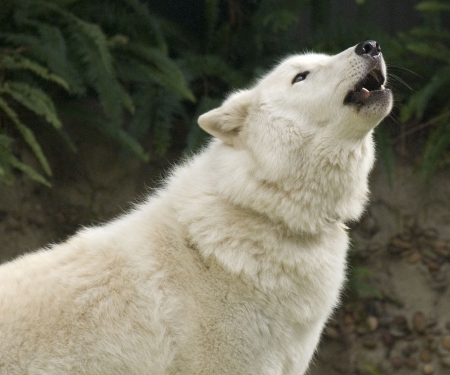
[(300, 77)]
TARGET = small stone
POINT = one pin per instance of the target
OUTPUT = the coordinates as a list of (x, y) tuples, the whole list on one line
[(428, 368), (434, 266), (387, 339), (409, 350), (386, 320), (414, 258), (370, 344), (401, 244), (431, 255), (441, 248), (425, 355), (411, 363), (361, 330), (397, 333), (446, 342), (446, 361), (372, 323), (419, 322), (332, 333), (349, 319), (447, 325), (430, 233), (400, 320), (397, 362)]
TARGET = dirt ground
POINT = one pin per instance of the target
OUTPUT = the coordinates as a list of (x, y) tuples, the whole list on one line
[(395, 314)]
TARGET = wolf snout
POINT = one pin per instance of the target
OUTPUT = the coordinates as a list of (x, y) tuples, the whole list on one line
[(368, 48)]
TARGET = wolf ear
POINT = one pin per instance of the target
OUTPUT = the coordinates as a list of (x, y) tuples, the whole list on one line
[(227, 121)]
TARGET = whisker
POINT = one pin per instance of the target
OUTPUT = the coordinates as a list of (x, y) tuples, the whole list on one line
[(403, 68), (401, 80)]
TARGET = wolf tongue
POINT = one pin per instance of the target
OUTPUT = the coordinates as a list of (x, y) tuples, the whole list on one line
[(365, 93)]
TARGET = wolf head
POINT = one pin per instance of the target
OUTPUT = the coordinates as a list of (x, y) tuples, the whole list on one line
[(307, 124)]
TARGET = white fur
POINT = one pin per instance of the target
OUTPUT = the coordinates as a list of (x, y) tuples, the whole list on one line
[(233, 267)]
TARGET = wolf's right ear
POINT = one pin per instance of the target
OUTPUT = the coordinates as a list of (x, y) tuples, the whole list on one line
[(227, 121)]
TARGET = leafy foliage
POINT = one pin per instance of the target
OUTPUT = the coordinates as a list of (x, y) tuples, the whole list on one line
[(430, 104), (149, 71), (109, 50)]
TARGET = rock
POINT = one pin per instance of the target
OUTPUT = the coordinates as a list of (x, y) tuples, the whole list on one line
[(397, 333), (399, 245), (349, 319), (372, 323), (446, 361), (368, 226), (397, 362), (434, 266), (386, 320), (419, 322), (387, 338), (411, 363), (370, 344), (441, 249), (414, 258), (332, 333), (408, 350), (361, 330), (425, 355), (430, 233), (446, 342), (447, 325), (428, 368), (400, 320), (430, 255)]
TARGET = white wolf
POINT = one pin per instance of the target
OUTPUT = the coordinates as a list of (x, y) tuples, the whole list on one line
[(235, 265)]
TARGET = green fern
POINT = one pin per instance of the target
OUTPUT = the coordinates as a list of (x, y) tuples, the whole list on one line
[(27, 135), (8, 161), (33, 98), (18, 62)]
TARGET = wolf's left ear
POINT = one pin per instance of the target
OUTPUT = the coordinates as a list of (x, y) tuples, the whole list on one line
[(227, 121)]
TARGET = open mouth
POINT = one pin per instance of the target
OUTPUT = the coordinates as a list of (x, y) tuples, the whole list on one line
[(369, 85)]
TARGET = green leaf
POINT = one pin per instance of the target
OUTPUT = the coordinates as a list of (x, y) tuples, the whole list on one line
[(20, 62), (438, 141), (30, 172), (436, 51), (27, 135), (156, 67), (35, 99), (419, 101), (432, 6)]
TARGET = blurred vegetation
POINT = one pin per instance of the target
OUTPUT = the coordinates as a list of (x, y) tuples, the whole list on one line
[(149, 70)]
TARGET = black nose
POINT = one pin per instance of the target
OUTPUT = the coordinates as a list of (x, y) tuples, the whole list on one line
[(369, 47)]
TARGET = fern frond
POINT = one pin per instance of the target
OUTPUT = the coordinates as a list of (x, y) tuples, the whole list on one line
[(436, 51), (30, 172), (96, 75), (151, 23), (213, 66), (438, 141), (47, 44), (155, 67), (419, 101), (27, 135), (432, 6), (33, 98), (19, 62)]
